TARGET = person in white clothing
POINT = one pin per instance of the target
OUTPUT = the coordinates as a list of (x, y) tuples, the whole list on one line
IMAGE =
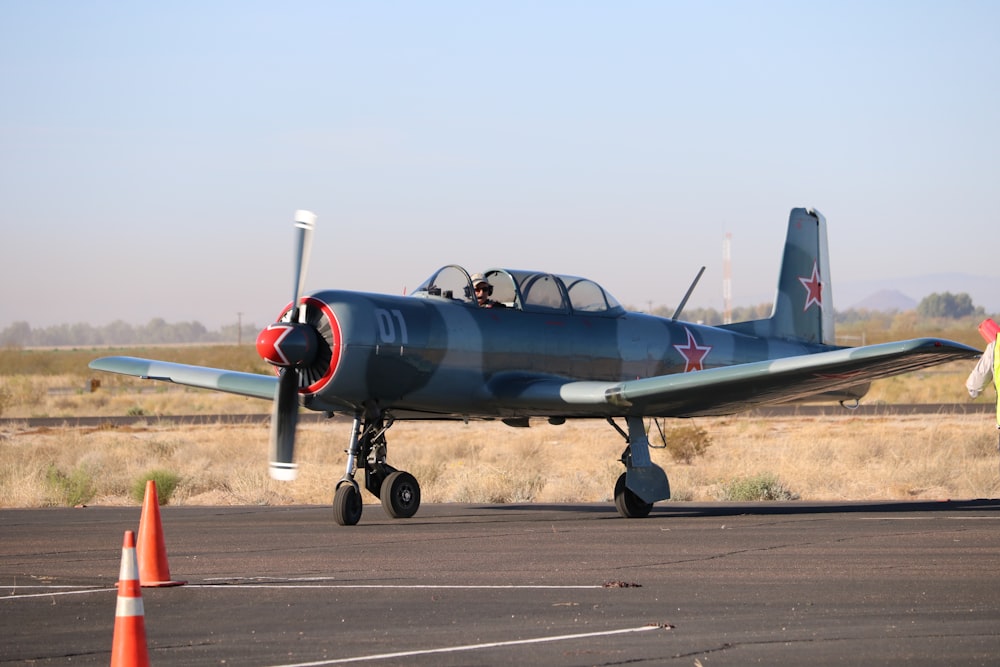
[(987, 367), (982, 373)]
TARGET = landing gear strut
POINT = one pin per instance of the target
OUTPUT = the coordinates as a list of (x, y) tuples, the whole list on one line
[(397, 489), (643, 482)]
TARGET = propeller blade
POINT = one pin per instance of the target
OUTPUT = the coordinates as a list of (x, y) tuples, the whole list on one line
[(284, 417), (305, 222), (287, 344)]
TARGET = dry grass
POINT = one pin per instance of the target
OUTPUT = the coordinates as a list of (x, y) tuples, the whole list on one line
[(838, 458), (829, 458), (30, 396)]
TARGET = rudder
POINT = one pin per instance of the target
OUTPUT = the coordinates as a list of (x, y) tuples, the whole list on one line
[(803, 304)]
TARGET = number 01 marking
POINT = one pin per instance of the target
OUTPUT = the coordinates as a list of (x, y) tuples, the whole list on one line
[(388, 322)]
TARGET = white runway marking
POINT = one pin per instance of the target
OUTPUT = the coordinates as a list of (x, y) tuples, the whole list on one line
[(469, 647), (923, 518), (52, 592), (81, 590), (296, 582), (401, 586), (269, 579)]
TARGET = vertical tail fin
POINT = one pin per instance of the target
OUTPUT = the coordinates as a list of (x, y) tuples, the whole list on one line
[(803, 305)]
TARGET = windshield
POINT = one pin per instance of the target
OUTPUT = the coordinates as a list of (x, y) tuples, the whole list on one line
[(448, 282)]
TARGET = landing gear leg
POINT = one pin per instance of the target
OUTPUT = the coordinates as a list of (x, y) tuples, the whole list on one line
[(347, 503), (397, 489), (643, 482)]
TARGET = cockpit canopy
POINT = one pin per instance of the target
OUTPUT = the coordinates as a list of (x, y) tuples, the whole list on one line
[(530, 291)]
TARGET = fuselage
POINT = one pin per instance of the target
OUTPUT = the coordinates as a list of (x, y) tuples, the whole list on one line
[(417, 353)]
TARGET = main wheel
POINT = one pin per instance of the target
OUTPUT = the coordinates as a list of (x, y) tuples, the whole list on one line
[(347, 505), (400, 495), (630, 505)]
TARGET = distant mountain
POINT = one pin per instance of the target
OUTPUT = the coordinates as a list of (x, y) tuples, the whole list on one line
[(985, 291), (886, 300)]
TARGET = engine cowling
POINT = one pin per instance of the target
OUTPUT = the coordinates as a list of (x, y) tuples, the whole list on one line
[(311, 346)]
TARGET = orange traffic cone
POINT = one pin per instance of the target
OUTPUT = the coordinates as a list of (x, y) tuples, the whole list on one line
[(152, 552), (128, 648)]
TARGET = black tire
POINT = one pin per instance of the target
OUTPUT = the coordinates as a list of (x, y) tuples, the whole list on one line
[(630, 505), (347, 505), (400, 495)]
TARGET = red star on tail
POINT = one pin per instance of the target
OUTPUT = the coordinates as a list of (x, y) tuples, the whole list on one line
[(814, 289)]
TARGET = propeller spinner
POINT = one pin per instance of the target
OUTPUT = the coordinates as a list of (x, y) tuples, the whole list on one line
[(289, 345)]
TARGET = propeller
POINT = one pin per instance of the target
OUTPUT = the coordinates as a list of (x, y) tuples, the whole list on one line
[(289, 345), (305, 222), (284, 418)]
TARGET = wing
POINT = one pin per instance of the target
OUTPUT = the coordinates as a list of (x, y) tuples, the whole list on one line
[(716, 391), (726, 390), (219, 379)]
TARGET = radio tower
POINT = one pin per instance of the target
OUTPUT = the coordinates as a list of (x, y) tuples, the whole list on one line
[(727, 280)]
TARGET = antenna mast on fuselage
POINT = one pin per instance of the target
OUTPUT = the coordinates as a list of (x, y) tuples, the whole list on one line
[(727, 280)]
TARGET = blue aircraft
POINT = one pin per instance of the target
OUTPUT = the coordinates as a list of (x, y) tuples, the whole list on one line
[(515, 345)]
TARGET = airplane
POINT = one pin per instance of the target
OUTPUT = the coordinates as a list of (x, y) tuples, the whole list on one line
[(554, 346)]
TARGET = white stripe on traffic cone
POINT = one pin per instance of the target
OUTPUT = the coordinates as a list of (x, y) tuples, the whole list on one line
[(128, 648)]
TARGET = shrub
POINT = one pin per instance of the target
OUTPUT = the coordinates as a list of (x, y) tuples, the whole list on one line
[(984, 445), (166, 483), (75, 488), (759, 487), (684, 443)]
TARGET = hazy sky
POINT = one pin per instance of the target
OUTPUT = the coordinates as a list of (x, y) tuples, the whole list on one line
[(152, 154)]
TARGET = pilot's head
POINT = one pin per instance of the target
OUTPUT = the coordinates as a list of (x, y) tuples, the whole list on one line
[(482, 288)]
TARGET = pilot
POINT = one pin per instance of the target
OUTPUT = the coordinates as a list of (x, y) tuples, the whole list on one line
[(483, 292)]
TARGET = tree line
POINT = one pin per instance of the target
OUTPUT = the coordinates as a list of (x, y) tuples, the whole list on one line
[(944, 306), (120, 333), (160, 332)]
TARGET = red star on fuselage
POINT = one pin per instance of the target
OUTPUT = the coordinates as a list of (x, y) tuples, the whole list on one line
[(814, 289), (693, 353)]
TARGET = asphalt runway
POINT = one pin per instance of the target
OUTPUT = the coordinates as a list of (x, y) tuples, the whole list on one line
[(694, 584)]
